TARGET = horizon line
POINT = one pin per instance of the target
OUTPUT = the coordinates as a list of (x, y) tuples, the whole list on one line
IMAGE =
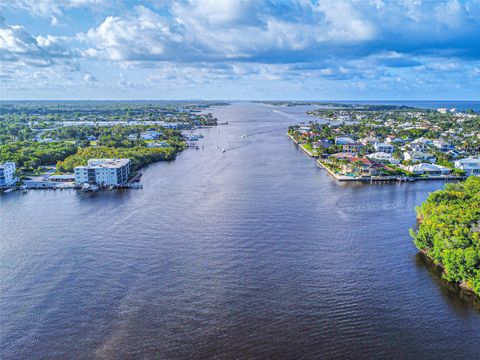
[(250, 100)]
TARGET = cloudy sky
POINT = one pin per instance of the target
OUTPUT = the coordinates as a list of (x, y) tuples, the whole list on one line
[(214, 49)]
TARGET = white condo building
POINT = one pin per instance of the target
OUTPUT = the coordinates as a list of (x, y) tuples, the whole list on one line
[(103, 172), (7, 174)]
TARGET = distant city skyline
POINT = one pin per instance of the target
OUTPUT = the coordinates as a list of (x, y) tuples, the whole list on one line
[(252, 50)]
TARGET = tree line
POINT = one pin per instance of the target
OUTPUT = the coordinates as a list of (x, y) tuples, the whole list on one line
[(449, 231)]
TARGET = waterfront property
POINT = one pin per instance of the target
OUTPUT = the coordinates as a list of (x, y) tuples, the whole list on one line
[(103, 172), (418, 157), (428, 169), (470, 165), (8, 175), (150, 135), (391, 143), (383, 157)]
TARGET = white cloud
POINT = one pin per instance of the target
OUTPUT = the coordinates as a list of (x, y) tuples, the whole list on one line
[(208, 41), (18, 46), (143, 35)]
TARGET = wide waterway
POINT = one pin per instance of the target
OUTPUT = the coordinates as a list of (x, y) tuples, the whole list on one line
[(248, 254)]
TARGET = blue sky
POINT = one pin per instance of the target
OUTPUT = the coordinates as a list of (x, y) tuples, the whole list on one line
[(230, 49)]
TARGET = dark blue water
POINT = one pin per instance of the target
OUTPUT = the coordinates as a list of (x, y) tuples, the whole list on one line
[(253, 253)]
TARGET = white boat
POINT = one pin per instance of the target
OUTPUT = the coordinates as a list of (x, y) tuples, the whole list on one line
[(90, 187), (223, 150)]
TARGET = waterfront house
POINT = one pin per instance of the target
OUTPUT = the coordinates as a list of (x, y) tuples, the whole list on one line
[(8, 175), (150, 135), (383, 157), (363, 167), (341, 156), (428, 169), (470, 165), (384, 147), (103, 172), (322, 143), (418, 157)]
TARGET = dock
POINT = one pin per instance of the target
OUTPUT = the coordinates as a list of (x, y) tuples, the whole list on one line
[(372, 179)]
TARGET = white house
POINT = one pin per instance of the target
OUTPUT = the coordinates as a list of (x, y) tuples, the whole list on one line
[(150, 135), (8, 174), (384, 147), (470, 165), (420, 144), (322, 143), (343, 140), (418, 157), (442, 145), (103, 172), (383, 157), (428, 169)]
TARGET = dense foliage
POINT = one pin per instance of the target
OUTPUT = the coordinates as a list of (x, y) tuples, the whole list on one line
[(31, 154), (139, 155), (33, 134), (449, 231)]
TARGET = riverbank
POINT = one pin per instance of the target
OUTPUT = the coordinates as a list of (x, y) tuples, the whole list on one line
[(235, 242), (340, 177), (448, 229), (460, 289), (302, 147), (365, 179)]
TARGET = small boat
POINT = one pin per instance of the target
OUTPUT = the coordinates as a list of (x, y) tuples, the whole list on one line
[(90, 187), (223, 150), (244, 136)]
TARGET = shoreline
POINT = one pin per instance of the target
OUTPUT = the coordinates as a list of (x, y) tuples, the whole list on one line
[(458, 286), (133, 183), (393, 178)]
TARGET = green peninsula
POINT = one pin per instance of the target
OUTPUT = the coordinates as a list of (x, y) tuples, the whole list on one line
[(449, 231)]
